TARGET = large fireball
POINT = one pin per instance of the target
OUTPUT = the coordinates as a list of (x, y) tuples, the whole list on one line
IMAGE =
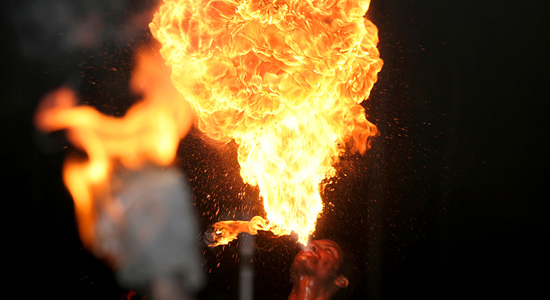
[(284, 80)]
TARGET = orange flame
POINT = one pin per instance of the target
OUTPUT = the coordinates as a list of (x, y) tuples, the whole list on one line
[(148, 133), (284, 79)]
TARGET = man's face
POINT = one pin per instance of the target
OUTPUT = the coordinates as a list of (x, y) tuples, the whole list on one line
[(322, 260)]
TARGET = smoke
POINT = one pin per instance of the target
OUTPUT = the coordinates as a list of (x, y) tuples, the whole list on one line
[(50, 29), (150, 233)]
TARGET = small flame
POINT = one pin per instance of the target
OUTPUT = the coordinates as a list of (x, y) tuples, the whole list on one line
[(284, 79), (223, 232), (149, 133)]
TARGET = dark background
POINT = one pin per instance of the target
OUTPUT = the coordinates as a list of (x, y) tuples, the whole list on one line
[(450, 202)]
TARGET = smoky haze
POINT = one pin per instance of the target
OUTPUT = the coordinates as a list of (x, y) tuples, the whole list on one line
[(50, 29)]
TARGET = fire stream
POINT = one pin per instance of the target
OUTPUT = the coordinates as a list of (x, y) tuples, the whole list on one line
[(284, 79), (148, 134)]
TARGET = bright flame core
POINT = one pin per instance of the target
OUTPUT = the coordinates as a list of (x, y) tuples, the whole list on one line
[(284, 79)]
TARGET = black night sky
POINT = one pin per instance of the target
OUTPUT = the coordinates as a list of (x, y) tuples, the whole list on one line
[(447, 204)]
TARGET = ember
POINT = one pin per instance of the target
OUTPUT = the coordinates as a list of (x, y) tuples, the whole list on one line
[(284, 80)]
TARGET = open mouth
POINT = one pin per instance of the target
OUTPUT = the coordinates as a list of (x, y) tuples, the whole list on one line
[(309, 254)]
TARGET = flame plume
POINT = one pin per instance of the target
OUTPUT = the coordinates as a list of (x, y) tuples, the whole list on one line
[(133, 209), (284, 79), (148, 134)]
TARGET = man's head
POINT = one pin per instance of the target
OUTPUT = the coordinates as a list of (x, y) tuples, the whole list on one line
[(322, 262)]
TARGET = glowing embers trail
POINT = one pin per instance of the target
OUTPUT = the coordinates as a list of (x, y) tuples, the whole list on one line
[(285, 80)]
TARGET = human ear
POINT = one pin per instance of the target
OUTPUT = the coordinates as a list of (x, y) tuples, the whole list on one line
[(341, 281)]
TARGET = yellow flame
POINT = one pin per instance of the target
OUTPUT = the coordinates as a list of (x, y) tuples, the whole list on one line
[(148, 133), (284, 79)]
